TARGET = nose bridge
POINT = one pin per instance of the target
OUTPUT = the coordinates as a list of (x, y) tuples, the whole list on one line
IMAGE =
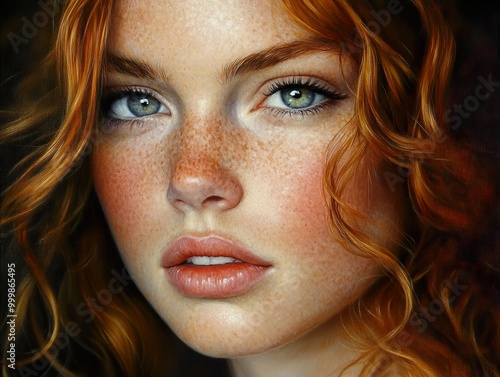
[(202, 138), (201, 176)]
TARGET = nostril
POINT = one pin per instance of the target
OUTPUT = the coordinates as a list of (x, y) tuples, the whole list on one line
[(214, 199)]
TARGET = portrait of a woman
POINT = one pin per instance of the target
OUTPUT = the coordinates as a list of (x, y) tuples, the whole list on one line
[(287, 187)]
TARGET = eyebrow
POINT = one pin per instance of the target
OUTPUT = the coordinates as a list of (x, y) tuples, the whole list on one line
[(275, 55), (136, 67), (269, 57)]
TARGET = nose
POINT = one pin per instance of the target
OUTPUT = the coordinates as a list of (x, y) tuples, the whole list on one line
[(199, 181)]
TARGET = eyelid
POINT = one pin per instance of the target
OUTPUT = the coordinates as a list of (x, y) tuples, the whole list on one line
[(320, 86), (111, 94), (112, 91)]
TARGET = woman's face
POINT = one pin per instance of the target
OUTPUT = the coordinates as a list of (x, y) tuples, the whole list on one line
[(210, 169)]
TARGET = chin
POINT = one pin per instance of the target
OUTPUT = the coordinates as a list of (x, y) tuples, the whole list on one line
[(231, 343), (231, 350)]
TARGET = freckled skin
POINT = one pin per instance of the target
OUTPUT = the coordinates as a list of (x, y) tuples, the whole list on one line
[(245, 173)]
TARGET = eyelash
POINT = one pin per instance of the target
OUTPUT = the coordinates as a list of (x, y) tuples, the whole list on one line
[(115, 94), (312, 84), (309, 83)]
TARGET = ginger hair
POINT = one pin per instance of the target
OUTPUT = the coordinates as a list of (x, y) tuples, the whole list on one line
[(401, 99), (57, 226), (60, 234)]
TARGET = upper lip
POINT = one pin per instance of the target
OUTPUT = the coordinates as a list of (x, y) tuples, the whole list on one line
[(186, 247)]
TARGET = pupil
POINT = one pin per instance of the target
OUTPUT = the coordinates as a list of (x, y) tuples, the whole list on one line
[(142, 105), (297, 97)]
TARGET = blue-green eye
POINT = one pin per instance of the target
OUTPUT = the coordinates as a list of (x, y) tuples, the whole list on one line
[(296, 95), (132, 103)]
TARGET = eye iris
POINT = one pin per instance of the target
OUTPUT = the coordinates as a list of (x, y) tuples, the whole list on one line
[(142, 105), (297, 97)]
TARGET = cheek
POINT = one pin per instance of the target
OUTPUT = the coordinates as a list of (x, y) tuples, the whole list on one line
[(123, 178), (305, 210), (296, 195)]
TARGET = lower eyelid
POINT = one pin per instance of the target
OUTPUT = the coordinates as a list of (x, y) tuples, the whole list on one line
[(111, 124), (310, 111)]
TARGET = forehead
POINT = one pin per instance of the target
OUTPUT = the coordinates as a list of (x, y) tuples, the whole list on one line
[(207, 27)]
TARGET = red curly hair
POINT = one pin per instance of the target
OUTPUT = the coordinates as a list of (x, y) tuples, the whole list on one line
[(401, 96)]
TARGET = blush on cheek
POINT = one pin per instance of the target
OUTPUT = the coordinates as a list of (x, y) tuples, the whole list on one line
[(303, 209), (119, 184)]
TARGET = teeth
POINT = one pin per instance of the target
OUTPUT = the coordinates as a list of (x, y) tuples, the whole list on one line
[(210, 261)]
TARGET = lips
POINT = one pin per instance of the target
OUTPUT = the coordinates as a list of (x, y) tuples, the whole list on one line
[(212, 267)]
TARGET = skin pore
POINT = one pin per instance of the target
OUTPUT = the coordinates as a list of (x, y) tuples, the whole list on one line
[(217, 119)]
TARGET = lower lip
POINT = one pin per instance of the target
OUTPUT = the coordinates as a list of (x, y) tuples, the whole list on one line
[(215, 281)]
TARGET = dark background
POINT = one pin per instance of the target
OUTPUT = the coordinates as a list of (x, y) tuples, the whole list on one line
[(13, 67), (476, 27)]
